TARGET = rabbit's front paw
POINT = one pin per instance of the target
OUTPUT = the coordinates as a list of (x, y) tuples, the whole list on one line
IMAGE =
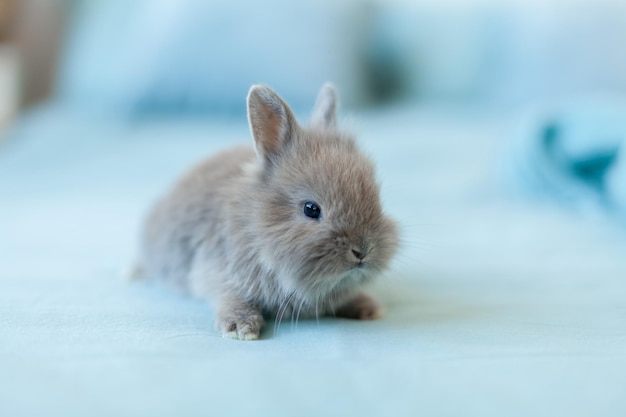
[(362, 307), (239, 321)]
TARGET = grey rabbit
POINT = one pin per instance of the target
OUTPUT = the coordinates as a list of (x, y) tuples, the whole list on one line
[(293, 225)]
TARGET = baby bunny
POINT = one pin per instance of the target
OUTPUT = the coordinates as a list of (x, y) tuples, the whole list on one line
[(291, 226)]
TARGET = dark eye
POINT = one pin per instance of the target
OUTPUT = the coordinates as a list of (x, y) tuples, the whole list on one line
[(312, 210)]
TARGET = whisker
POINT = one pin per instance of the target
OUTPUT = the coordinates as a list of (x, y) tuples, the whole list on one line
[(299, 310), (281, 312), (317, 315)]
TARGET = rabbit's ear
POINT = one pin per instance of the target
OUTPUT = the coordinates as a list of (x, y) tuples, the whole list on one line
[(325, 110), (271, 121)]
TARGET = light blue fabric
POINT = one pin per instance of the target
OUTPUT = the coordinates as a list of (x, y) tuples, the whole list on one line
[(500, 52), (194, 56), (573, 152), (493, 308)]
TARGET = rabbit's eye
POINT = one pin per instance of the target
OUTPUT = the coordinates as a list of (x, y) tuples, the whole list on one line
[(312, 210)]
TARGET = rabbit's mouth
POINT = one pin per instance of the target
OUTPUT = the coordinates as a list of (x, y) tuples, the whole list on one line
[(361, 265), (358, 271)]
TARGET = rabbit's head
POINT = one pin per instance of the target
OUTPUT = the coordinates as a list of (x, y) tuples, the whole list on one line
[(317, 215)]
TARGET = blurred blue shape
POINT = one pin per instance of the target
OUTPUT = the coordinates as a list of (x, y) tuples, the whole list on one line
[(190, 56), (574, 152), (150, 57)]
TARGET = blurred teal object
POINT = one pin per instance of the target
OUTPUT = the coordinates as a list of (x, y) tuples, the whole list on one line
[(574, 152), (190, 56), (200, 57)]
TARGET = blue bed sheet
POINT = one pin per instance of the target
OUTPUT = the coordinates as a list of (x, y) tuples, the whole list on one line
[(494, 307)]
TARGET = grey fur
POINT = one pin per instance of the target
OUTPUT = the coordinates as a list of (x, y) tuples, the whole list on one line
[(233, 231)]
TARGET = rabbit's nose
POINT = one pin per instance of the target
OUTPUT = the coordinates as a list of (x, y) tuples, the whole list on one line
[(357, 254)]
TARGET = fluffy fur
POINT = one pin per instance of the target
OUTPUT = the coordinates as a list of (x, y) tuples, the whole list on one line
[(233, 230)]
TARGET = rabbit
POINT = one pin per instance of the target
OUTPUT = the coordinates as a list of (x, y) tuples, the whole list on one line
[(292, 225)]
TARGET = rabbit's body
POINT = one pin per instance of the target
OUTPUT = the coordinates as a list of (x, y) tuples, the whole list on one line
[(193, 215), (295, 228)]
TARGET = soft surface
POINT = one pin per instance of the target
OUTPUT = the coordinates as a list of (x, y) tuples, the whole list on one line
[(495, 307)]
